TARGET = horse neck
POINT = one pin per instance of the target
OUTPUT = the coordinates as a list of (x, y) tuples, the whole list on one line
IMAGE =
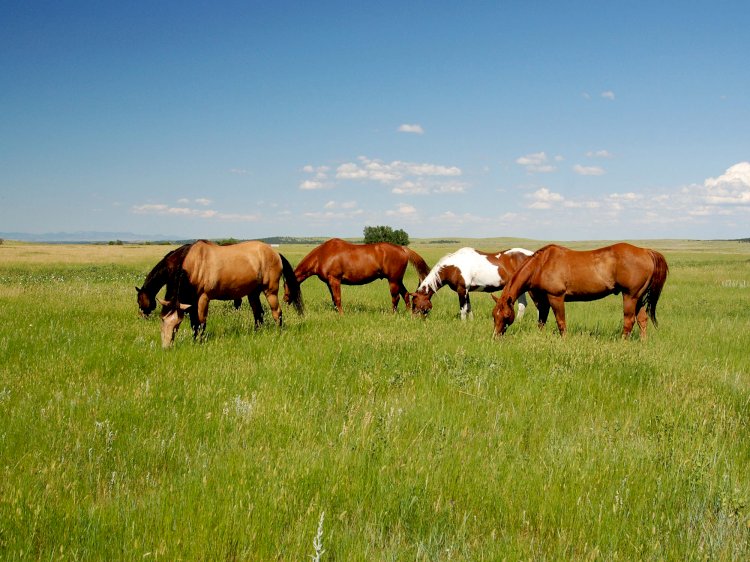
[(156, 279), (307, 267), (520, 280)]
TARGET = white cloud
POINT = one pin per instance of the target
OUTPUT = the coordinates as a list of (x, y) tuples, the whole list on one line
[(203, 201), (609, 95), (544, 199), (537, 162), (405, 178), (309, 185), (239, 171), (730, 188), (588, 170), (402, 210), (605, 154), (411, 128), (161, 209)]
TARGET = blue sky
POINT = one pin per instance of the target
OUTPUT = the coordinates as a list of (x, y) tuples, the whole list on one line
[(547, 120)]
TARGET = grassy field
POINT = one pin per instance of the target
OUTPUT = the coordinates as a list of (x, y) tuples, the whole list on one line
[(372, 436)]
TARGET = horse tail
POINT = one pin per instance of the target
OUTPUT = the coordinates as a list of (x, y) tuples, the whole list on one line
[(658, 278), (419, 264), (293, 287)]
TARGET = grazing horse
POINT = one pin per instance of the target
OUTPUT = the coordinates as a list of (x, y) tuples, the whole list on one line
[(467, 270), (338, 262), (211, 272), (162, 274), (555, 274)]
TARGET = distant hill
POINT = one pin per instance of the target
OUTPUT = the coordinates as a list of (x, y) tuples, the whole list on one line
[(85, 236)]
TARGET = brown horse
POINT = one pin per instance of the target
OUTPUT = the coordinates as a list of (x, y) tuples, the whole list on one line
[(467, 270), (211, 272), (555, 274), (163, 273), (338, 262)]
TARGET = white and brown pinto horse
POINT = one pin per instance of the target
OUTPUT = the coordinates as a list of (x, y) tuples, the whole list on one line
[(468, 270), (210, 272), (554, 275)]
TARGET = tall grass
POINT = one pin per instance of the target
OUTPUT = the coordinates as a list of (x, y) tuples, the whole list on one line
[(417, 439)]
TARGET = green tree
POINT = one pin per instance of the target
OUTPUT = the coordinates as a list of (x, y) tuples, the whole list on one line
[(385, 234)]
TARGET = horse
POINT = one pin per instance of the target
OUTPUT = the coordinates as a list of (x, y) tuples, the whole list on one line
[(211, 272), (162, 274), (467, 270), (555, 274), (338, 262)]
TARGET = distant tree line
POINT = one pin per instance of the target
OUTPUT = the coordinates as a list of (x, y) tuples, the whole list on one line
[(385, 234)]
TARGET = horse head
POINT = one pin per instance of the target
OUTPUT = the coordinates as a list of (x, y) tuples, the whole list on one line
[(420, 303), (172, 314), (145, 303), (503, 314)]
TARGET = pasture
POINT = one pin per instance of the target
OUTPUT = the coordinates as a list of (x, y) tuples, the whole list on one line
[(372, 436)]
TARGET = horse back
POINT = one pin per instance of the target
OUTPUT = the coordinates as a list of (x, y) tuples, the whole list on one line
[(223, 271)]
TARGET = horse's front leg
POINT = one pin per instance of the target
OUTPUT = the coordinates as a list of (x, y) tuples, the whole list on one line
[(558, 307), (542, 305), (200, 332), (464, 304)]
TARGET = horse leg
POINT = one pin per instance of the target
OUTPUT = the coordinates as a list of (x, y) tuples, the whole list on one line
[(642, 317), (254, 300), (404, 293), (334, 287), (202, 317), (397, 289), (558, 307), (273, 302), (521, 306), (469, 311), (542, 305), (237, 304), (463, 302), (628, 309)]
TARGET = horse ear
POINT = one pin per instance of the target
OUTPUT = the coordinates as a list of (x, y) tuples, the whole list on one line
[(185, 306), (497, 300), (137, 289), (163, 302)]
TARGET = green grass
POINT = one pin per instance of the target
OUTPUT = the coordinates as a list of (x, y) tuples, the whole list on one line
[(418, 439)]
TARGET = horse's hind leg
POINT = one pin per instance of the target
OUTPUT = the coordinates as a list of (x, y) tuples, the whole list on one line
[(628, 310), (334, 287), (257, 308), (642, 318), (273, 302), (397, 290)]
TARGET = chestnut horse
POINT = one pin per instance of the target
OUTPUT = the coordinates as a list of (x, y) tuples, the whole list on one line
[(211, 272), (555, 274), (338, 262), (163, 273), (467, 270)]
